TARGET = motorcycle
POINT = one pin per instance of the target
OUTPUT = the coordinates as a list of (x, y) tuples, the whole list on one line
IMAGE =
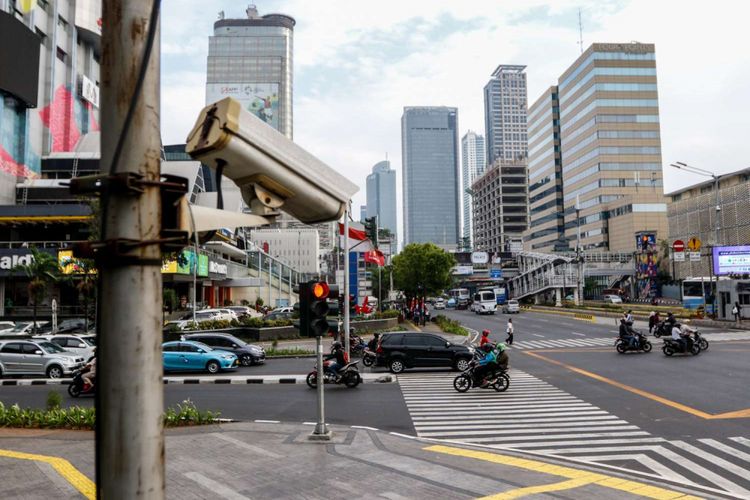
[(75, 388), (671, 347), (356, 345), (369, 357), (641, 344), (698, 339), (347, 375), (497, 379)]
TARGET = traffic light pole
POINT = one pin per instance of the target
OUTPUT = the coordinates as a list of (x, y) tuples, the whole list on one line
[(346, 281), (321, 432)]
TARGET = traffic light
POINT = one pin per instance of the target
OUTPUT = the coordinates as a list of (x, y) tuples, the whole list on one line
[(371, 229), (313, 307)]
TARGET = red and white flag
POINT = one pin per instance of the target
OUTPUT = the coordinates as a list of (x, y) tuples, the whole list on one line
[(358, 241), (375, 257)]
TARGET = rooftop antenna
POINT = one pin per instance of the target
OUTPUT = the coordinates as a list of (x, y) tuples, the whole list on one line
[(580, 30)]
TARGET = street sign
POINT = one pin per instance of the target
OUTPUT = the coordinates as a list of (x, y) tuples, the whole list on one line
[(679, 256), (678, 246), (695, 256), (694, 244), (496, 273)]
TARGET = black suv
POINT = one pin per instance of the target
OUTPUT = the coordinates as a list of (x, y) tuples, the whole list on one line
[(402, 350), (248, 354)]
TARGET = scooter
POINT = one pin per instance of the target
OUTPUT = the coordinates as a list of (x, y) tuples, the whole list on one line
[(76, 389), (671, 347), (641, 344), (369, 357), (498, 379), (347, 375), (698, 339)]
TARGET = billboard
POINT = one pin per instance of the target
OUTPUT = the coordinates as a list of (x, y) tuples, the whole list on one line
[(731, 260), (646, 242), (261, 99), (19, 59)]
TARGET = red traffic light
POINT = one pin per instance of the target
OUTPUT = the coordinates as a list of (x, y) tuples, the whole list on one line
[(320, 290)]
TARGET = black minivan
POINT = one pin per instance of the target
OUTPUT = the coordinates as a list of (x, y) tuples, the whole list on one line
[(401, 350)]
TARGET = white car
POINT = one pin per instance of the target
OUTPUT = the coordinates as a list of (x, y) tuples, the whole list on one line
[(285, 309), (612, 299), (6, 326), (77, 344), (24, 328), (219, 314), (511, 307), (245, 311), (439, 304)]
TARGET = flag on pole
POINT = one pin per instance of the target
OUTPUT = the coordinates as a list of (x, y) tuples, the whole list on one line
[(375, 257), (358, 241)]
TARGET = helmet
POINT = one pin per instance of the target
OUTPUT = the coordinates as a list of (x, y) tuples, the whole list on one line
[(487, 347), (485, 332), (501, 347), (622, 321), (336, 345)]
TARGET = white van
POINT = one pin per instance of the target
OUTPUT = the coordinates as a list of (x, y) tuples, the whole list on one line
[(485, 302)]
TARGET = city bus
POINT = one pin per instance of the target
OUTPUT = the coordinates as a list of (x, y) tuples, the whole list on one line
[(461, 295), (696, 293)]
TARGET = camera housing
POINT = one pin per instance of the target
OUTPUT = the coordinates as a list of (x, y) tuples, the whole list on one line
[(271, 171)]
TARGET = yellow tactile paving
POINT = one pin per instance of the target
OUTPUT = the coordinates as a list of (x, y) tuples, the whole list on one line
[(63, 467), (576, 477)]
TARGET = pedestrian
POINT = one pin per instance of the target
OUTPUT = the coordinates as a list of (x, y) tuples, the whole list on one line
[(651, 321), (509, 331), (737, 311)]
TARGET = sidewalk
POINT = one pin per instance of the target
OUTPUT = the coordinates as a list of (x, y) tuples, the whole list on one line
[(277, 461)]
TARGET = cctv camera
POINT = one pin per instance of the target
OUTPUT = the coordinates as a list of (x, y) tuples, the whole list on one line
[(271, 171)]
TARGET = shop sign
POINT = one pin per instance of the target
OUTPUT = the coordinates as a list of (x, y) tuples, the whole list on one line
[(13, 257), (202, 265), (463, 270), (217, 268), (479, 258)]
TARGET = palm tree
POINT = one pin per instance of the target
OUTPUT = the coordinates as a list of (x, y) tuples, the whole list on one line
[(42, 271)]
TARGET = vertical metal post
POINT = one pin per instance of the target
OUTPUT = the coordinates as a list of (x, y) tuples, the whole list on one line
[(129, 430), (346, 281), (716, 243), (579, 258), (270, 279), (290, 286), (321, 429)]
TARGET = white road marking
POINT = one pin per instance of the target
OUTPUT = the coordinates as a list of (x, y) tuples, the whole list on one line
[(580, 334), (241, 444), (703, 472), (216, 488)]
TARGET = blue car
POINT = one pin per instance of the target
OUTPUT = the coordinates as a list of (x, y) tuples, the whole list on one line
[(451, 302), (188, 355)]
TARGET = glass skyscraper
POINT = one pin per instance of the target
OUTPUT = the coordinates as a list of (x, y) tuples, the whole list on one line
[(505, 114), (472, 166), (429, 153), (251, 60), (381, 197)]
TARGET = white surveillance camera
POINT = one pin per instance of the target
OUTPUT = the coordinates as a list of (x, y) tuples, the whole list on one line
[(271, 171)]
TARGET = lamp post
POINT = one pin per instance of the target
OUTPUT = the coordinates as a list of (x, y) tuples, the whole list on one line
[(579, 257), (699, 171)]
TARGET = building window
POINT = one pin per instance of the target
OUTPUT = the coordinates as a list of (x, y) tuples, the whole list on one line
[(61, 54)]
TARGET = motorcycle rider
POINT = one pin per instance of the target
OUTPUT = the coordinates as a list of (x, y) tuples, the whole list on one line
[(684, 341), (486, 365), (373, 344), (627, 334), (89, 376), (485, 338), (687, 333), (337, 354)]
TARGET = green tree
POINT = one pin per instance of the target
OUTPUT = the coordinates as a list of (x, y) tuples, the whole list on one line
[(42, 271), (422, 269)]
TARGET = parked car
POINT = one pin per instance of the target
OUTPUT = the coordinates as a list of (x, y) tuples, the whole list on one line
[(248, 354), (613, 299), (25, 328), (189, 355), (278, 315), (245, 311), (511, 307), (221, 314), (284, 309), (451, 302), (6, 325), (439, 303), (205, 315), (401, 350), (72, 343), (37, 357)]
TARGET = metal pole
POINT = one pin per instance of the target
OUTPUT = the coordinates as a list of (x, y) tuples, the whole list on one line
[(129, 430), (716, 243), (270, 279), (579, 260), (321, 429), (346, 281)]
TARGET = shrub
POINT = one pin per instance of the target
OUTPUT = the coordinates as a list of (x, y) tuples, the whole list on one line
[(450, 326), (187, 414), (251, 322), (388, 313), (53, 400)]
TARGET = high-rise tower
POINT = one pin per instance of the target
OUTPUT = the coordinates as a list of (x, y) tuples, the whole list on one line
[(381, 197), (505, 114), (472, 166)]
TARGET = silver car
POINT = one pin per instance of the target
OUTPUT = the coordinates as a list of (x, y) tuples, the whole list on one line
[(37, 357), (76, 344)]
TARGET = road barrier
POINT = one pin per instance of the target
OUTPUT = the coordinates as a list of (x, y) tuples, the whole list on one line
[(574, 315), (371, 378)]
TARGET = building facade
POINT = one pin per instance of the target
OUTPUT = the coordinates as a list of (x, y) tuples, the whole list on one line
[(505, 104), (49, 85), (251, 60), (611, 148), (381, 196), (546, 219), (500, 199), (429, 153), (472, 166), (299, 249), (692, 212)]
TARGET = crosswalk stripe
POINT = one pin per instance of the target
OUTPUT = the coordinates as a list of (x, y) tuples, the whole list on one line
[(505, 425), (702, 471), (709, 457), (726, 449), (501, 419)]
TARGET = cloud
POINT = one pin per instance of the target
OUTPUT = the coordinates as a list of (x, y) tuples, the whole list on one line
[(358, 64)]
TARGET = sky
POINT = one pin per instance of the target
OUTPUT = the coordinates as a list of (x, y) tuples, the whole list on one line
[(358, 64)]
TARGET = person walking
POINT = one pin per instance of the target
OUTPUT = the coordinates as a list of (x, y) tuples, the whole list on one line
[(509, 331), (737, 311), (651, 321)]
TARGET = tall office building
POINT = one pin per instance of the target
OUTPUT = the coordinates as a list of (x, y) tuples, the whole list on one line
[(472, 166), (611, 147), (381, 197), (505, 114), (251, 60), (429, 155), (546, 219)]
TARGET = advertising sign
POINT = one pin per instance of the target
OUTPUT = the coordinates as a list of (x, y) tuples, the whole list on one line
[(646, 242), (202, 265), (89, 15), (463, 270), (261, 99), (479, 258), (516, 246), (731, 260), (89, 90), (648, 265)]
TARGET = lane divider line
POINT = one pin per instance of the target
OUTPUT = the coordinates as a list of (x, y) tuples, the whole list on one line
[(744, 413), (576, 477), (75, 477)]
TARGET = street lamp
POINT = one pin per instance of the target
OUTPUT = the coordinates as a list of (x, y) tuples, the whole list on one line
[(699, 171)]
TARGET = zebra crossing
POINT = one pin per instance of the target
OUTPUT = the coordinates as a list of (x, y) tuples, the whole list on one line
[(557, 343), (533, 415)]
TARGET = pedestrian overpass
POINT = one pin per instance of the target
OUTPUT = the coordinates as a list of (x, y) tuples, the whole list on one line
[(542, 273)]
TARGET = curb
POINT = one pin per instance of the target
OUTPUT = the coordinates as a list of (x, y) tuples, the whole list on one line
[(579, 316), (367, 378)]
